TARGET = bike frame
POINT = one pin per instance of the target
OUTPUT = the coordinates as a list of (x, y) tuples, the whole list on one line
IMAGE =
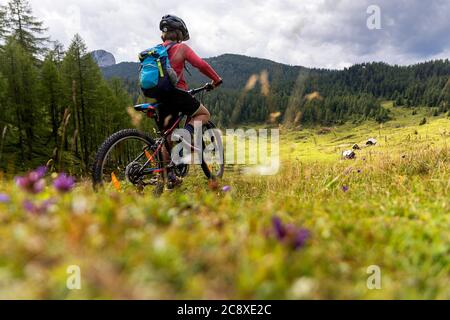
[(164, 136), (160, 143)]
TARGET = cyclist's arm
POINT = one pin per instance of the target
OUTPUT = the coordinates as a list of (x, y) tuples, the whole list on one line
[(201, 65)]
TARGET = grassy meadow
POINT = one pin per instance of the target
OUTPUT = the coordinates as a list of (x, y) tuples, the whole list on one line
[(390, 207)]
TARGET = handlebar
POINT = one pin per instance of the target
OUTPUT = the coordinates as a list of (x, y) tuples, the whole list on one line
[(206, 87)]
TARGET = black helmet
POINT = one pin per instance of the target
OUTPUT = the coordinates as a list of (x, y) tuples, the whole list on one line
[(173, 23)]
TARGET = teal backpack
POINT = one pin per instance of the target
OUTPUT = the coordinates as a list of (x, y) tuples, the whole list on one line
[(156, 74)]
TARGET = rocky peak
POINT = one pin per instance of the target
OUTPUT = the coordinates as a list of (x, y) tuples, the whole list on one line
[(103, 58)]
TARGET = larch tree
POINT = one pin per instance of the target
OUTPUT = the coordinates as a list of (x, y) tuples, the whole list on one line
[(21, 76), (51, 92), (3, 24), (26, 29), (58, 51), (85, 93)]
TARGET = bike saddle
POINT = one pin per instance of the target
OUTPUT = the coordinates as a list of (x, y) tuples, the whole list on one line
[(150, 109), (145, 107)]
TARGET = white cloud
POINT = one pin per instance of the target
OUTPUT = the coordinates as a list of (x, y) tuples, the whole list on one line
[(314, 33)]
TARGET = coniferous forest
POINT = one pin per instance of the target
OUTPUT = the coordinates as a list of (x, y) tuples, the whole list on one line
[(57, 105)]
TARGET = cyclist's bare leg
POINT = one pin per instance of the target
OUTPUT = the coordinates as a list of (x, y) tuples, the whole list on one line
[(165, 152), (202, 115), (173, 180)]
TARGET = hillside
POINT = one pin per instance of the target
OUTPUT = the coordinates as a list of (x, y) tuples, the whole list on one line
[(377, 78), (343, 95)]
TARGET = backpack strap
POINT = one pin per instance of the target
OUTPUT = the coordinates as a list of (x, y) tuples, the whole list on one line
[(171, 45), (187, 70)]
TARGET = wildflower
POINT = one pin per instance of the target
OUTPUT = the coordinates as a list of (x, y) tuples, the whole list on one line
[(345, 188), (41, 171), (279, 228), (34, 181), (64, 183), (4, 198), (37, 209), (301, 236), (226, 189), (290, 234)]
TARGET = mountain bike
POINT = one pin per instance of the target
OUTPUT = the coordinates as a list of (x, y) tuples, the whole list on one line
[(132, 158)]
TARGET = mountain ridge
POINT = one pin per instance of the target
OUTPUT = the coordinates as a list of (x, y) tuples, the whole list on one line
[(236, 55), (129, 70), (225, 65)]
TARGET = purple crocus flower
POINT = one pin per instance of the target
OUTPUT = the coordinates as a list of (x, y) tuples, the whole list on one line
[(345, 188), (64, 183), (29, 206), (300, 238), (33, 182), (278, 227), (290, 234), (37, 209), (41, 171), (226, 189), (4, 198)]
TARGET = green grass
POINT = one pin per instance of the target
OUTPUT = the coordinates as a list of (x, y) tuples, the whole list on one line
[(200, 243)]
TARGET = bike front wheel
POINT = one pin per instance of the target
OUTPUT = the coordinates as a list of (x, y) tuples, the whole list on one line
[(213, 152)]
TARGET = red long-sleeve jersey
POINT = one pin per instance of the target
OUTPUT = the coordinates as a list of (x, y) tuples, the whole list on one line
[(179, 54)]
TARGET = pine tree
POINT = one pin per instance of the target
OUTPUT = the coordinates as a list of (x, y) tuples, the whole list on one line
[(3, 24), (51, 92), (21, 78), (58, 51), (74, 75), (25, 28), (445, 93), (88, 96), (3, 97)]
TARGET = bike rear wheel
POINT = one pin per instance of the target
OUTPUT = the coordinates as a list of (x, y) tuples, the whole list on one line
[(127, 160)]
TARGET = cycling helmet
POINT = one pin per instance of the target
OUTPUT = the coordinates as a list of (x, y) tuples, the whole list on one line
[(173, 23)]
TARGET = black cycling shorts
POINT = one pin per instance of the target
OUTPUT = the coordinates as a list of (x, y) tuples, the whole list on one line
[(173, 102)]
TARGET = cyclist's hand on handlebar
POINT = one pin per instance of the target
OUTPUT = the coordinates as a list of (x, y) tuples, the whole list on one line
[(211, 86), (217, 84)]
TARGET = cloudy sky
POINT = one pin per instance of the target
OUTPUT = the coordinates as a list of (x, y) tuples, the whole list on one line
[(314, 33)]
